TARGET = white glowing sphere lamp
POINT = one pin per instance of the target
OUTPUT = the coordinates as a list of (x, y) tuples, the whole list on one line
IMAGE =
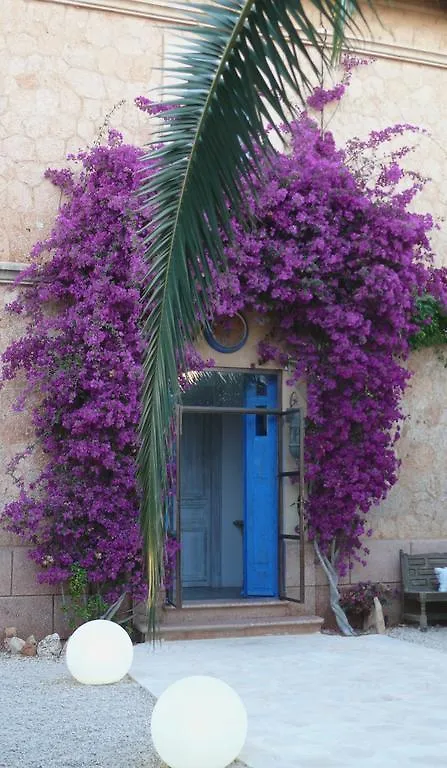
[(199, 722), (99, 652)]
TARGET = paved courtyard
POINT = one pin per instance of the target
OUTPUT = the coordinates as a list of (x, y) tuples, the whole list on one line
[(319, 701)]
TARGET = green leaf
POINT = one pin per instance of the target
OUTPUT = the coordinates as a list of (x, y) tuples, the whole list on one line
[(431, 319), (245, 63)]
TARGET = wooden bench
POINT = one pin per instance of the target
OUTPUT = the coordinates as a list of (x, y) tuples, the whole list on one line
[(420, 597)]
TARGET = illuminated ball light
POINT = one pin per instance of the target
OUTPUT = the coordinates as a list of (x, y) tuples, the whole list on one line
[(199, 722), (99, 652)]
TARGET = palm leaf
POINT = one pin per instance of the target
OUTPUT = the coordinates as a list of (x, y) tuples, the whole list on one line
[(243, 64)]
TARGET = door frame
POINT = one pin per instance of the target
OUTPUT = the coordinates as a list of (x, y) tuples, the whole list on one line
[(299, 535), (176, 600)]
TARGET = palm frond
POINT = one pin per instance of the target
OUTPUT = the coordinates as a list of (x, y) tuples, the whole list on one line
[(243, 65)]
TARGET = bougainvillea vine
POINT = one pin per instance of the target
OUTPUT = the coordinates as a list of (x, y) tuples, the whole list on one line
[(337, 264), (329, 252), (81, 353)]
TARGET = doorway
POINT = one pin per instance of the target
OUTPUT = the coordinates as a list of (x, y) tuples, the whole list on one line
[(228, 488), (212, 511)]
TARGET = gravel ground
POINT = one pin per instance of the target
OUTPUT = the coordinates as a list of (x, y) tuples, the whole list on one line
[(48, 720), (435, 637)]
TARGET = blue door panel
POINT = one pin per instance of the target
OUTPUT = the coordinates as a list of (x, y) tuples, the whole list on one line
[(261, 492)]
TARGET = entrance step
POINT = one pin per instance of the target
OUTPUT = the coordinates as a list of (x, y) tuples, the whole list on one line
[(216, 611), (239, 618), (282, 625)]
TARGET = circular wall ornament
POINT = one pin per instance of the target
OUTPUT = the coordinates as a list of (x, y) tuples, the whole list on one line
[(228, 334)]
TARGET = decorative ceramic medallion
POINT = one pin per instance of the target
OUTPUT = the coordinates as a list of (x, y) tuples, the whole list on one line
[(227, 335)]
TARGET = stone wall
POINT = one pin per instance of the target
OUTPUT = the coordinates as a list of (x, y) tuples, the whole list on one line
[(414, 516), (66, 69), (406, 84), (66, 65)]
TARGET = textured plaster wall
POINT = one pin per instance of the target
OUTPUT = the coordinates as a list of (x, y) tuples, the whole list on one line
[(24, 603), (409, 89), (406, 84), (63, 69), (389, 92)]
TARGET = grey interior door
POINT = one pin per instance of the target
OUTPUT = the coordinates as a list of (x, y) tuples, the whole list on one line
[(197, 493)]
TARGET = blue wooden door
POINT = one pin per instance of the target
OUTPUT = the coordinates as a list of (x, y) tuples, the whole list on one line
[(261, 491)]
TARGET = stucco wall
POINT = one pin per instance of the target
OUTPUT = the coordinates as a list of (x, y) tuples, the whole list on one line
[(65, 66), (64, 69), (407, 83)]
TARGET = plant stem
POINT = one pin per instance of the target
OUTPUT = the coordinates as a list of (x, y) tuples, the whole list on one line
[(334, 595)]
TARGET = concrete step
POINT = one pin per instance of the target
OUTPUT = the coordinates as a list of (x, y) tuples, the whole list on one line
[(237, 618), (282, 625), (196, 612)]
